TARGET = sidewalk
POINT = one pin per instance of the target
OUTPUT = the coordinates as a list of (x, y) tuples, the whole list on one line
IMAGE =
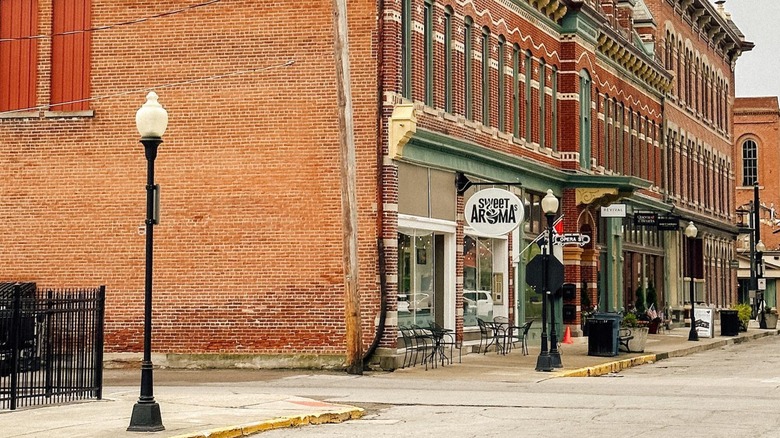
[(210, 409)]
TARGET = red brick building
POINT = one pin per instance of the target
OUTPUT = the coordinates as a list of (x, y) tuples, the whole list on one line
[(757, 152), (583, 97)]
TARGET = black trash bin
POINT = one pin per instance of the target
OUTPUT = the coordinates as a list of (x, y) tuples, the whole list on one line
[(729, 323), (603, 332)]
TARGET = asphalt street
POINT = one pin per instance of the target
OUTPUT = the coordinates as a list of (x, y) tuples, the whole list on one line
[(733, 391)]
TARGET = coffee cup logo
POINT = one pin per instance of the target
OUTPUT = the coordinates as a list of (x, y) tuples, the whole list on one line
[(493, 211)]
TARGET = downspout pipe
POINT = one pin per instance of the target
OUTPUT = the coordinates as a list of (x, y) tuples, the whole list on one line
[(380, 201)]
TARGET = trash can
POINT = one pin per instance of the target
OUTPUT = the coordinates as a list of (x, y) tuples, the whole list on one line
[(729, 322), (603, 332)]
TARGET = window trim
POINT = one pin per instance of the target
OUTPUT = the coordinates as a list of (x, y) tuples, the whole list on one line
[(749, 179), (486, 76)]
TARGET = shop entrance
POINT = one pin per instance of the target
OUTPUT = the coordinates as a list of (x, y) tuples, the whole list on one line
[(421, 278)]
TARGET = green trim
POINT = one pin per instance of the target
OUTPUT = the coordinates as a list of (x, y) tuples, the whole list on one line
[(554, 142), (468, 76), (406, 49), (448, 60), (582, 24), (485, 76), (542, 104), (439, 150), (428, 23), (501, 84), (529, 68), (516, 90), (585, 120)]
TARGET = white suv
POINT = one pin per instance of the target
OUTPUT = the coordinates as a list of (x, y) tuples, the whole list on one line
[(483, 301)]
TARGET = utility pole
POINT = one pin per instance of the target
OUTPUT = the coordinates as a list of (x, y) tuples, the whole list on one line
[(348, 196)]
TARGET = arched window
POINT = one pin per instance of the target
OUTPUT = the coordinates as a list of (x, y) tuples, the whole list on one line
[(529, 61), (607, 131), (516, 90), (749, 162), (406, 49), (468, 78), (554, 104), (428, 50), (448, 59), (585, 126), (486, 76), (501, 83), (542, 102)]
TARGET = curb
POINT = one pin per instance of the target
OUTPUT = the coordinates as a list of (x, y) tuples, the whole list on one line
[(619, 365), (349, 413)]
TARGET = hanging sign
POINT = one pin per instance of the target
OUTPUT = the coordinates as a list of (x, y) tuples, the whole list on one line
[(614, 210), (646, 219), (494, 212), (668, 223)]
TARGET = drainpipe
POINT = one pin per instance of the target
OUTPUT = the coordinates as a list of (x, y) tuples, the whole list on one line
[(380, 198)]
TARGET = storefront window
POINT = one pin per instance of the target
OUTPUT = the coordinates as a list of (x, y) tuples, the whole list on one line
[(483, 277), (416, 278)]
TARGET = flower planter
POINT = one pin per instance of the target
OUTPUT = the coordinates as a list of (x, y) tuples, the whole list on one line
[(771, 320), (637, 344)]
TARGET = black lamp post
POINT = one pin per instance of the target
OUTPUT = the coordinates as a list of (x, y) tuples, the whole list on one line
[(151, 120), (546, 361), (760, 248), (690, 232)]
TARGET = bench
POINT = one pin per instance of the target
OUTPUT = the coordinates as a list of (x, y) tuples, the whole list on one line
[(624, 336)]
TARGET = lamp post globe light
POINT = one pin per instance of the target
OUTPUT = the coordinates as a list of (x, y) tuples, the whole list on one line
[(691, 231), (545, 361), (151, 121)]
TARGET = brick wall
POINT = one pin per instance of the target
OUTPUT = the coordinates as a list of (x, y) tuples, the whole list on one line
[(758, 119), (248, 253)]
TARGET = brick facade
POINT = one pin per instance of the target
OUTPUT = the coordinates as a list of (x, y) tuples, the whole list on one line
[(248, 254)]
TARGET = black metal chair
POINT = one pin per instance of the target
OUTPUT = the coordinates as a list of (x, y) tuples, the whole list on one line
[(487, 335), (410, 346), (520, 334), (424, 340), (447, 339)]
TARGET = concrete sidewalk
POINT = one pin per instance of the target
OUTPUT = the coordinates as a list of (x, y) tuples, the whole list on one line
[(200, 407), (188, 411)]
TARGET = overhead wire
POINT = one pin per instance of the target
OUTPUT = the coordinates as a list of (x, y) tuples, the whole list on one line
[(112, 26), (155, 87)]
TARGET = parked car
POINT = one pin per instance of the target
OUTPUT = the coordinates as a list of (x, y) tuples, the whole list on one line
[(420, 301), (482, 300), (403, 303)]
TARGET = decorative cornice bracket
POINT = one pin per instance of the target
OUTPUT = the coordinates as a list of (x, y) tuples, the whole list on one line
[(402, 126)]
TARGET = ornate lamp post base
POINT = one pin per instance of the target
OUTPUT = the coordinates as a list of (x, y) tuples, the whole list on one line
[(555, 359), (544, 363), (146, 418)]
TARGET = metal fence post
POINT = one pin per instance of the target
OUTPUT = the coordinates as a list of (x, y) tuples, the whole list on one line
[(16, 321), (100, 311)]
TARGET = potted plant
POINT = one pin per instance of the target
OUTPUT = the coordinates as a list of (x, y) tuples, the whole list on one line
[(743, 313), (770, 316), (639, 332)]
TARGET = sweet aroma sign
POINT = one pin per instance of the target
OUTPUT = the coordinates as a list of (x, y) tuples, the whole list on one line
[(493, 212)]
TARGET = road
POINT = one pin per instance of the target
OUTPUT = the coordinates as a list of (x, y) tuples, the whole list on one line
[(728, 392)]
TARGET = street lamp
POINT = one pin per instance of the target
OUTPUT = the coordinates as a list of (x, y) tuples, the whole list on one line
[(760, 248), (151, 121), (546, 361), (690, 232)]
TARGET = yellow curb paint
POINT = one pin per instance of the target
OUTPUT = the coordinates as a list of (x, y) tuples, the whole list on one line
[(610, 367), (228, 432), (351, 413)]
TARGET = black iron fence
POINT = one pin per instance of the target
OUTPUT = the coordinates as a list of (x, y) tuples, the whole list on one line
[(51, 344)]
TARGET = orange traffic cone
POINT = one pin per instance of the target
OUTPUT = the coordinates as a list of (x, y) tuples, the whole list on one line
[(567, 336)]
